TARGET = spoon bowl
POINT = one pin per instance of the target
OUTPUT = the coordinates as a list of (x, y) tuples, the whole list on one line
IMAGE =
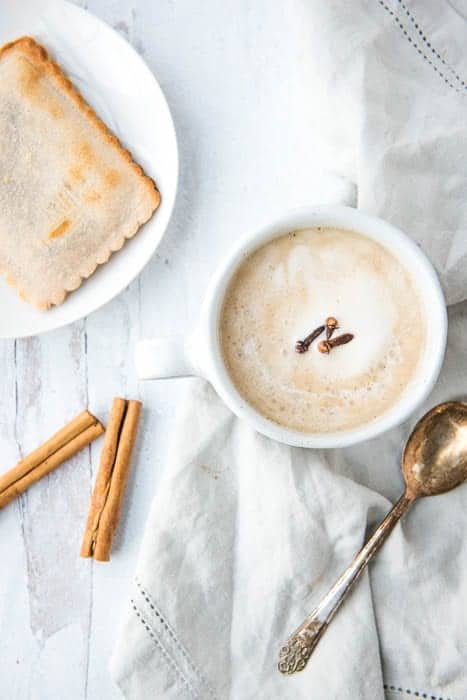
[(435, 457)]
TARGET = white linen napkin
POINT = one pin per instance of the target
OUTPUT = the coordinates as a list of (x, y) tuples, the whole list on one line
[(246, 535)]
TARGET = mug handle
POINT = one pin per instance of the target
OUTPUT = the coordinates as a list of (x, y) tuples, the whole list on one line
[(164, 358)]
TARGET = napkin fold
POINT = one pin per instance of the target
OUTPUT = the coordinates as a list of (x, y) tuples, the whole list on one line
[(246, 535)]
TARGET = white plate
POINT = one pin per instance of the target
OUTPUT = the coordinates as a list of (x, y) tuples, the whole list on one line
[(123, 91)]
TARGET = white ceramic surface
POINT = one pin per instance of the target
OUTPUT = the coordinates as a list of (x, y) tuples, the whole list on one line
[(200, 354), (121, 88)]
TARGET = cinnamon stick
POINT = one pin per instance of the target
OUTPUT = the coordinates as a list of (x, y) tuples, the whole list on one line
[(64, 444), (111, 480)]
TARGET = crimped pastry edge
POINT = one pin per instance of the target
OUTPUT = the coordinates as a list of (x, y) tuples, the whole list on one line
[(39, 55)]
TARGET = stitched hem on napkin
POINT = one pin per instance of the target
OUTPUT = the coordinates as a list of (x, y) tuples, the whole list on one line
[(410, 26), (166, 642), (399, 690)]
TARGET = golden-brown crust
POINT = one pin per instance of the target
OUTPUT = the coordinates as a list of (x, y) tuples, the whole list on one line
[(39, 57)]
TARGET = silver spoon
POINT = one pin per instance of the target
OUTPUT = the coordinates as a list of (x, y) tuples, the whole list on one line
[(434, 461)]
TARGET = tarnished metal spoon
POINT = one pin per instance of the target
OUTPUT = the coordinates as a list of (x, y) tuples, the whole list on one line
[(434, 461)]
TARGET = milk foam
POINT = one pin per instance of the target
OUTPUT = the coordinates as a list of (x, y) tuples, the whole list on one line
[(286, 289)]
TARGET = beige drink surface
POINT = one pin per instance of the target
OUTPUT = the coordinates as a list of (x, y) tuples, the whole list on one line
[(286, 289)]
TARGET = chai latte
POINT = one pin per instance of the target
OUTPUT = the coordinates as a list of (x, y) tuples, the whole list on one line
[(290, 286)]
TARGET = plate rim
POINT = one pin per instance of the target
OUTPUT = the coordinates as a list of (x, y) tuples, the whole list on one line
[(118, 288)]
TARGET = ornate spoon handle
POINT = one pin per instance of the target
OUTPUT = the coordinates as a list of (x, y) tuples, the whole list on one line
[(295, 653)]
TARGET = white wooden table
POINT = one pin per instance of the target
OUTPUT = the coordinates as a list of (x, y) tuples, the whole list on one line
[(235, 76)]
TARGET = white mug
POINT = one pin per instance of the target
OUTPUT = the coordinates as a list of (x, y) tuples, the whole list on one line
[(200, 354)]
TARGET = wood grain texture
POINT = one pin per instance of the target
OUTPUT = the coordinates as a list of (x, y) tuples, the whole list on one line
[(235, 79)]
